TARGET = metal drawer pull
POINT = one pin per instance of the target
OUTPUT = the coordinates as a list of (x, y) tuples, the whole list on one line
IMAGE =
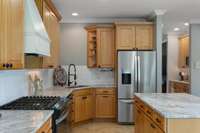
[(148, 112), (158, 120), (153, 126), (84, 97)]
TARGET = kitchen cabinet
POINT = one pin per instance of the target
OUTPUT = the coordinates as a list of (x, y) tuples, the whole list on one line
[(146, 120), (179, 87), (150, 126), (11, 34), (51, 18), (52, 26), (46, 127), (184, 52), (135, 36), (100, 46), (93, 103), (83, 105), (125, 37), (105, 47), (105, 103), (139, 120), (149, 120), (144, 37)]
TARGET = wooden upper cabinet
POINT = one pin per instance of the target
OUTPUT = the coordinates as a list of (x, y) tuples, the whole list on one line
[(184, 52), (144, 37), (135, 35), (100, 46), (12, 34), (52, 26), (39, 4), (125, 37), (105, 47)]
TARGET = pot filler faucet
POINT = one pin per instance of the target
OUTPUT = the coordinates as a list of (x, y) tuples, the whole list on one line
[(72, 75)]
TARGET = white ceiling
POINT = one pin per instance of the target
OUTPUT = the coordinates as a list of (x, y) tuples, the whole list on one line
[(178, 11)]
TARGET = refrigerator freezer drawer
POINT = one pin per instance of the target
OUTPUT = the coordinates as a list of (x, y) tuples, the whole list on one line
[(125, 111)]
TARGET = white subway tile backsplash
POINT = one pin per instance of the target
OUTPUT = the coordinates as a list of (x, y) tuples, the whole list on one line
[(14, 84), (86, 76)]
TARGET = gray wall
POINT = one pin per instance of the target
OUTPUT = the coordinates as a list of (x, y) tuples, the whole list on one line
[(195, 59), (73, 49)]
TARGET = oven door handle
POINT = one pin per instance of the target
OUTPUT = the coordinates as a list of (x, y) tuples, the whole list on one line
[(60, 119)]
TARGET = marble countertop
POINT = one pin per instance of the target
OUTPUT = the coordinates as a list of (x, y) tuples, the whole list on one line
[(173, 105), (179, 81), (20, 121), (66, 91)]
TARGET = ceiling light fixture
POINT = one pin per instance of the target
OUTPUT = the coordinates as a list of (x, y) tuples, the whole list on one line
[(176, 29), (186, 24), (75, 14)]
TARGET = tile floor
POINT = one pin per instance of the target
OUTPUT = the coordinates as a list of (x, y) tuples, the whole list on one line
[(103, 127)]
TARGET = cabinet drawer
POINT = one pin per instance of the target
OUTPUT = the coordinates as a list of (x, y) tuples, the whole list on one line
[(46, 127), (159, 120), (149, 112), (137, 102), (82, 92), (107, 91)]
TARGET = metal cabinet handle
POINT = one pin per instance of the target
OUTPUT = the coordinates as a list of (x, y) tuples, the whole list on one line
[(148, 112), (157, 120), (152, 125), (84, 97)]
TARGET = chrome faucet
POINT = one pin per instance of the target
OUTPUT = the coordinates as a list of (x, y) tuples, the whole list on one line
[(74, 75)]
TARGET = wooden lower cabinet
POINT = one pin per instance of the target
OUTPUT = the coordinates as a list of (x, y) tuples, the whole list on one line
[(105, 106), (179, 87), (93, 103), (46, 128), (150, 126), (83, 108)]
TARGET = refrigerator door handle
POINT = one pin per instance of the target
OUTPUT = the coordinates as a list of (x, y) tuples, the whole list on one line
[(139, 74), (135, 75)]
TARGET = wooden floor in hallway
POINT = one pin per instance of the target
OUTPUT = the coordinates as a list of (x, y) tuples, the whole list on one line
[(103, 127)]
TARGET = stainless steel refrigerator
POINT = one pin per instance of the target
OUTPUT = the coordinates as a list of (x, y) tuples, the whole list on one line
[(136, 74)]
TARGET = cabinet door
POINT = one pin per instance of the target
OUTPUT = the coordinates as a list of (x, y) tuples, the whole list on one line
[(52, 26), (89, 107), (12, 33), (105, 106), (183, 52), (150, 126), (79, 108), (139, 120), (2, 23), (105, 47), (125, 36), (144, 37)]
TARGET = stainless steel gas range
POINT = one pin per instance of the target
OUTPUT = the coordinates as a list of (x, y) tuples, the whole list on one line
[(61, 106)]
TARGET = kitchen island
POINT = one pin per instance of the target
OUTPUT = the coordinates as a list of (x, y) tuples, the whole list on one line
[(167, 113), (25, 121)]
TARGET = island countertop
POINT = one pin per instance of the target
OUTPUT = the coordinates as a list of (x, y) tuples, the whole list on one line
[(172, 105), (23, 121)]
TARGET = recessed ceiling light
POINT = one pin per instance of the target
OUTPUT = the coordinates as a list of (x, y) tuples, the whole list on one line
[(186, 24), (75, 14), (176, 29)]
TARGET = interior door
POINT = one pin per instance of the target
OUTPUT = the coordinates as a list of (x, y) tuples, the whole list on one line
[(126, 74), (147, 71)]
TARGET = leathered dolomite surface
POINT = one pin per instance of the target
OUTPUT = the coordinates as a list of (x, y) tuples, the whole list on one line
[(173, 105), (19, 121)]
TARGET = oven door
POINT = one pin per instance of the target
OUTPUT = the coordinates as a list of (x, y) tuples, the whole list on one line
[(63, 123)]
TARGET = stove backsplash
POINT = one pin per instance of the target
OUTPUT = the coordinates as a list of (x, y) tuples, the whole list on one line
[(14, 84)]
